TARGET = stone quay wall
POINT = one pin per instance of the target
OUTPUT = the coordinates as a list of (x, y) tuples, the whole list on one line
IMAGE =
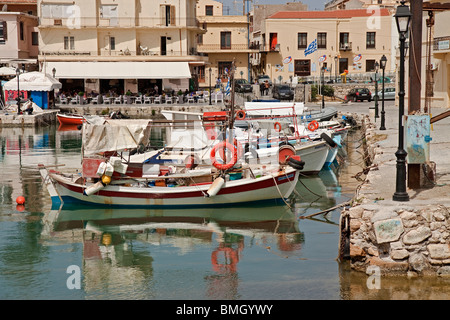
[(400, 240)]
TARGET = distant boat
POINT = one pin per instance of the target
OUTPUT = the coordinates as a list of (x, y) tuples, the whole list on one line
[(70, 119)]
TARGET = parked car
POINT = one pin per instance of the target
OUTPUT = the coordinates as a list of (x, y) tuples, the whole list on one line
[(282, 91), (264, 78), (356, 94), (389, 94), (242, 85)]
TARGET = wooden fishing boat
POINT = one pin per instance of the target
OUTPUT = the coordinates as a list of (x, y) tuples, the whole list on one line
[(70, 119), (157, 192), (110, 178)]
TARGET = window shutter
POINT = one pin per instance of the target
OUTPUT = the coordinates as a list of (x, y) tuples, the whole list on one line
[(172, 15)]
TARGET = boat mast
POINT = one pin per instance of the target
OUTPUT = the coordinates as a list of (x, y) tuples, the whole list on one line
[(231, 119)]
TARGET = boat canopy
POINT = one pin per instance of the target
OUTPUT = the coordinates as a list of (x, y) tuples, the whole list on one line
[(270, 109), (114, 135)]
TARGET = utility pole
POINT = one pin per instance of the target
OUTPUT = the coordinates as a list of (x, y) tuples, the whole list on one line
[(415, 69)]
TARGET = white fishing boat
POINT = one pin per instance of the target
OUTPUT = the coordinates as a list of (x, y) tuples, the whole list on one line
[(109, 178)]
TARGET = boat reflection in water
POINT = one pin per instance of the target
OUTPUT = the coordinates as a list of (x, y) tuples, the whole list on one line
[(120, 246)]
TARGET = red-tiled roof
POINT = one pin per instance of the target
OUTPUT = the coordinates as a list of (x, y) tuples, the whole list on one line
[(332, 14)]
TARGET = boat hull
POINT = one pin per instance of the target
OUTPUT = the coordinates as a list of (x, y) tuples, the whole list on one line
[(69, 119), (266, 188)]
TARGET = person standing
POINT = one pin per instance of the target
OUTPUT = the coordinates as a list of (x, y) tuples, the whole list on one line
[(266, 87), (261, 89)]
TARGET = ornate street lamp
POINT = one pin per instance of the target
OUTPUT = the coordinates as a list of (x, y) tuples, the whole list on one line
[(18, 91), (376, 90), (402, 18), (383, 61)]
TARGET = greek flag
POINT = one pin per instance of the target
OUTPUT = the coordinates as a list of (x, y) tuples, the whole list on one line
[(228, 88), (311, 48)]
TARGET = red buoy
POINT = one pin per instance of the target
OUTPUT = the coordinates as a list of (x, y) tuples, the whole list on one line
[(20, 200)]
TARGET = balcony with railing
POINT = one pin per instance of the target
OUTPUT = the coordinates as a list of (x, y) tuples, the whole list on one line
[(120, 22), (213, 48), (269, 48), (345, 46), (142, 54)]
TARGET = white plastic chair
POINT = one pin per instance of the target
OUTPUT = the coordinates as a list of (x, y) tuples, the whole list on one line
[(191, 99), (118, 100), (158, 99), (75, 100), (138, 100), (94, 100), (219, 97), (169, 100), (201, 99), (106, 100), (63, 100), (147, 100)]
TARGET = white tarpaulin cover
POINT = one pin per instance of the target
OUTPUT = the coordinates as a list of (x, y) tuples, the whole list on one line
[(114, 135), (33, 81), (7, 71), (120, 70)]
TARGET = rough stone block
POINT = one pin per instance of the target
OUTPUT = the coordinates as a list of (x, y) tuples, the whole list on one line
[(399, 254), (417, 235), (388, 230), (439, 251)]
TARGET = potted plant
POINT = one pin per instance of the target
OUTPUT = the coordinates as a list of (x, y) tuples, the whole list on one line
[(80, 96), (128, 96)]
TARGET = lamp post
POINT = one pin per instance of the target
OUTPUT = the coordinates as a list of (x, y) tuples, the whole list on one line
[(323, 84), (210, 93), (376, 90), (402, 18), (18, 90), (383, 61), (54, 72), (335, 68)]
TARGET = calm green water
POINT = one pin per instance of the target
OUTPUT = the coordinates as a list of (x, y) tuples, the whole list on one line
[(251, 252)]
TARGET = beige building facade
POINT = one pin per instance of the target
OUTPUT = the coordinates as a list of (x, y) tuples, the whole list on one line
[(440, 62), (226, 40), (124, 44), (347, 40), (19, 34)]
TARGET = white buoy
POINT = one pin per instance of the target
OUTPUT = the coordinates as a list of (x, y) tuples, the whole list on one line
[(215, 187), (93, 188)]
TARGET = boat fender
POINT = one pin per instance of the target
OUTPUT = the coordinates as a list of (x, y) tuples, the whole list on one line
[(106, 179), (240, 115), (296, 162), (313, 125), (224, 145), (328, 140), (277, 126), (109, 169), (215, 187), (93, 188), (101, 169)]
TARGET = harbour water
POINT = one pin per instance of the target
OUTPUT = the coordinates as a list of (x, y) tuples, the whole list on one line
[(252, 252)]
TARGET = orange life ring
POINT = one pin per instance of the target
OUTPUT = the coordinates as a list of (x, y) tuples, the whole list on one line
[(222, 146), (277, 126), (229, 255), (240, 115), (313, 125)]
